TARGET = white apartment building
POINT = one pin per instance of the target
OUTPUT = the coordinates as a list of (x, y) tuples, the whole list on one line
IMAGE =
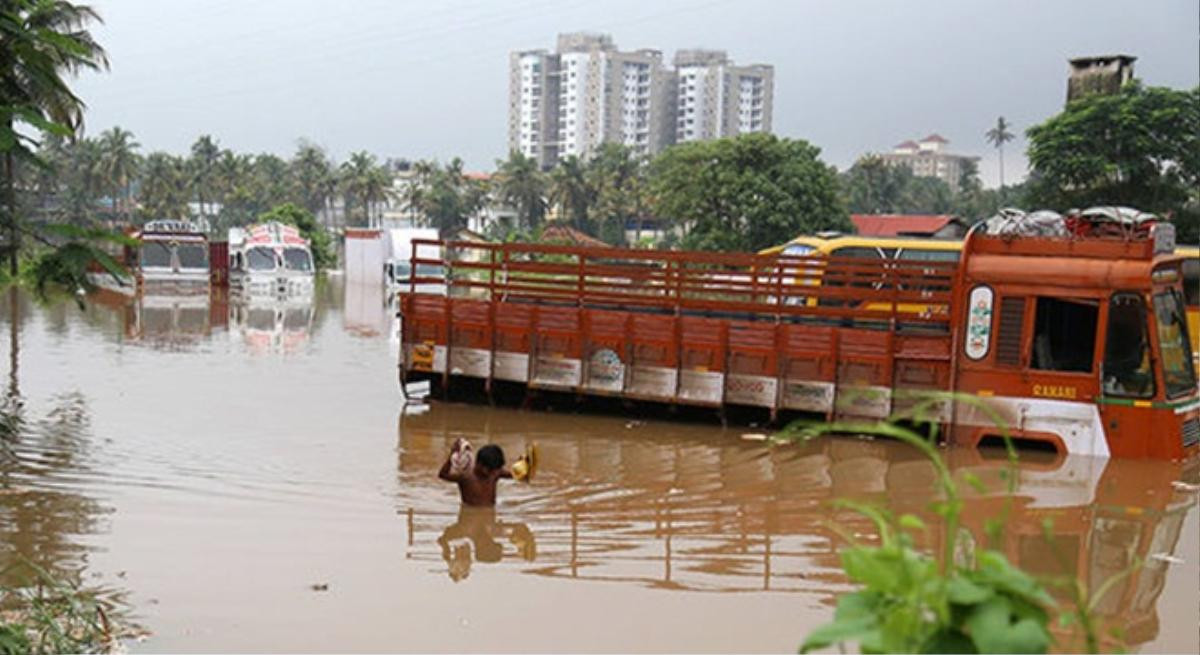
[(533, 105), (588, 92), (717, 99)]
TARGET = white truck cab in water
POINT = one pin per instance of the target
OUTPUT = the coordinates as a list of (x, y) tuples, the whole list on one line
[(399, 271), (270, 260)]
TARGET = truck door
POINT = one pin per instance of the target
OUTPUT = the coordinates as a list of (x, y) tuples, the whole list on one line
[(1061, 374), (1127, 374)]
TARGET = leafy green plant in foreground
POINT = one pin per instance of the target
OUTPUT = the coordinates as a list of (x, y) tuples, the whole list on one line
[(912, 603), (50, 616)]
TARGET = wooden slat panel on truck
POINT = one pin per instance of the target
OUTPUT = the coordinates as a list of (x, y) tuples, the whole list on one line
[(752, 378), (470, 338), (864, 363), (654, 371), (425, 333), (606, 351), (808, 368), (557, 349), (702, 352), (921, 371), (513, 341)]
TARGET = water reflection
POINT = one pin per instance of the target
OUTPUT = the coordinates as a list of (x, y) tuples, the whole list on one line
[(475, 536), (44, 516), (670, 507), (279, 325)]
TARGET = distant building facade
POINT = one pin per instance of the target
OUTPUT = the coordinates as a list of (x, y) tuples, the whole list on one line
[(1098, 75), (587, 92), (929, 158), (717, 99)]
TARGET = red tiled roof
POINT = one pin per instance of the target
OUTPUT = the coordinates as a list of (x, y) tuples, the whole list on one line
[(906, 144), (935, 137), (571, 236), (472, 175), (890, 225)]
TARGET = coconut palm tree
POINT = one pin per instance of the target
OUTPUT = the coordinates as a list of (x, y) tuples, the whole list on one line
[(998, 136), (363, 180), (520, 184), (572, 192), (164, 190), (118, 166), (415, 193), (205, 153), (43, 41), (309, 172)]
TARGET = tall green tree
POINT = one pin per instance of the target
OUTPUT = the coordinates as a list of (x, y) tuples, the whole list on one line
[(571, 192), (164, 189), (1139, 148), (746, 193), (444, 197), (203, 167), (871, 186), (363, 180), (118, 167), (41, 42), (618, 180), (311, 175), (998, 136), (520, 183)]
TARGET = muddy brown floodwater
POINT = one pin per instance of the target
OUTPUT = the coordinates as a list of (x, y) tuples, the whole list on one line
[(245, 479)]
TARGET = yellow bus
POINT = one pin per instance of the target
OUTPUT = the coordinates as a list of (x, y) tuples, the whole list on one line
[(948, 250), (908, 249), (898, 248), (1191, 291)]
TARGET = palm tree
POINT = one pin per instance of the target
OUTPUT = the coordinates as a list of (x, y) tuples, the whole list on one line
[(571, 191), (309, 172), (43, 40), (997, 136), (364, 180), (617, 177), (118, 166), (205, 152), (414, 194), (520, 184), (164, 192)]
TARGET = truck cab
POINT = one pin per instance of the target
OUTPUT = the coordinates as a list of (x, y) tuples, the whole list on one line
[(1078, 343)]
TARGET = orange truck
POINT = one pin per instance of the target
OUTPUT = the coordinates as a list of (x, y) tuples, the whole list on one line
[(1075, 343)]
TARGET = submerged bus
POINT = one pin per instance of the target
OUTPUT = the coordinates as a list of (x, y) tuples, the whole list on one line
[(922, 249)]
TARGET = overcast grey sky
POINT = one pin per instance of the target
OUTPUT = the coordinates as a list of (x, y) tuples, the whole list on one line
[(429, 79)]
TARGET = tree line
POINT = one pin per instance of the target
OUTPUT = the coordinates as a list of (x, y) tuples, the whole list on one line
[(1137, 147), (107, 177)]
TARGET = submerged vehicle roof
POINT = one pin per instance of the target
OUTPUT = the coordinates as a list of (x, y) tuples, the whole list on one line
[(267, 234)]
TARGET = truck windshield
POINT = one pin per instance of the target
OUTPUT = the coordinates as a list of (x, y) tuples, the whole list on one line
[(260, 259), (156, 254), (192, 255), (1179, 376), (430, 270), (401, 271), (297, 259)]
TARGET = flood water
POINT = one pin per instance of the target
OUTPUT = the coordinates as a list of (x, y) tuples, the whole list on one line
[(245, 478)]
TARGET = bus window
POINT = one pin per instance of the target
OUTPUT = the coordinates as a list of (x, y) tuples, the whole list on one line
[(1191, 282), (1178, 374), (1064, 335), (919, 255), (863, 252), (856, 279), (1127, 370)]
